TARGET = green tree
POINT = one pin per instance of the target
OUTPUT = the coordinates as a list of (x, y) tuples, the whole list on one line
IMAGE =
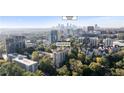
[(48, 50), (119, 72), (113, 71), (35, 56), (119, 64), (40, 47), (86, 70), (97, 69), (75, 51), (99, 60), (95, 66), (63, 71), (71, 55), (87, 60), (29, 50), (10, 69), (45, 65), (81, 56), (28, 73), (2, 47), (76, 67), (39, 73), (53, 46), (105, 61)]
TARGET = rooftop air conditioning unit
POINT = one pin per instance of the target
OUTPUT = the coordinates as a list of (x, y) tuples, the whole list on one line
[(20, 57)]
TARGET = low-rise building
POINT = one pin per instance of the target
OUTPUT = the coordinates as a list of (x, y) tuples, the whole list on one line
[(26, 64), (21, 60), (118, 43)]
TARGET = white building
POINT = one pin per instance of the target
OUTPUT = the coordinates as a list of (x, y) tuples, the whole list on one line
[(46, 42), (22, 61), (25, 63), (81, 39), (93, 41), (42, 53), (108, 42), (10, 57), (28, 44), (59, 57), (118, 43), (63, 44)]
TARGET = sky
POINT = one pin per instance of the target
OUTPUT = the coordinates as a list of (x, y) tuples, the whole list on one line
[(50, 21)]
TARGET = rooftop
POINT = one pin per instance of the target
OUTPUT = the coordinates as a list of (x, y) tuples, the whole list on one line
[(24, 61)]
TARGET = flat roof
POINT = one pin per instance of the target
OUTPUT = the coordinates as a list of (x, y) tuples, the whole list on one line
[(25, 61)]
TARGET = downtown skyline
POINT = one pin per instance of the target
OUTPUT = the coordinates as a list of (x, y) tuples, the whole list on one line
[(50, 21)]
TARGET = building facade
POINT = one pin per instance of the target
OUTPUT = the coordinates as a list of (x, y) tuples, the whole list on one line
[(94, 41), (59, 57), (14, 44), (26, 64), (90, 28), (108, 42), (53, 36)]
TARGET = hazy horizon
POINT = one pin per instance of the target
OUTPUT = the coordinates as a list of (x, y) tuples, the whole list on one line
[(50, 21)]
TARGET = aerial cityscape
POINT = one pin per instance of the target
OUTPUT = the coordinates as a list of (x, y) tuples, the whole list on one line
[(61, 46)]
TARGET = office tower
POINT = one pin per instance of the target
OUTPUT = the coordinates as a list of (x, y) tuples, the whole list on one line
[(90, 28), (96, 27), (15, 44), (60, 35), (53, 36)]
